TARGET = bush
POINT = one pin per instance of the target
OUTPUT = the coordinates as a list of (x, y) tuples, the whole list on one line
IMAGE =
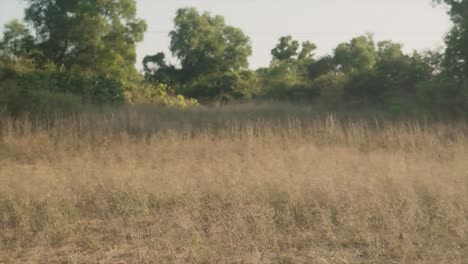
[(17, 101), (446, 97), (26, 88), (329, 87), (160, 94), (94, 89), (224, 86)]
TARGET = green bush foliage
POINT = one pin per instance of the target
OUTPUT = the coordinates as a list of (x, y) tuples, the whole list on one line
[(445, 97)]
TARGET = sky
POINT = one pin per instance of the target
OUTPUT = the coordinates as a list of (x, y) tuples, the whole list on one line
[(417, 24)]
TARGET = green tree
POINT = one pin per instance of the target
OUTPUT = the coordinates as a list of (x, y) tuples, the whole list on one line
[(156, 70), (322, 66), (357, 55), (17, 40), (307, 51), (91, 36), (287, 75), (213, 58), (286, 49), (392, 81), (277, 80), (447, 93), (456, 55), (204, 44)]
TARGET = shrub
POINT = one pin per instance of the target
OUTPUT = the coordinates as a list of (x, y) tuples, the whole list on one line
[(223, 86), (160, 94), (21, 100), (446, 97), (329, 87)]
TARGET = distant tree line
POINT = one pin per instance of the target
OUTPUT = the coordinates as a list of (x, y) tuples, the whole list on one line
[(67, 54)]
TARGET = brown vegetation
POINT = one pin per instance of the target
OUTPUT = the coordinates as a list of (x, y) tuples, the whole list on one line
[(128, 187)]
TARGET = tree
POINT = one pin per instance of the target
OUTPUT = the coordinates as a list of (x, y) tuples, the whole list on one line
[(93, 37), (357, 55), (322, 66), (307, 51), (291, 59), (456, 55), (157, 70), (397, 73), (213, 58), (393, 78), (17, 40), (287, 76), (286, 49), (204, 44)]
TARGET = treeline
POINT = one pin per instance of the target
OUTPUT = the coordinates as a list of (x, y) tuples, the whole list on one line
[(84, 52)]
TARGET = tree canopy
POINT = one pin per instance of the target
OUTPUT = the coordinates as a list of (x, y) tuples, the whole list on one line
[(92, 36), (456, 59), (205, 44), (213, 57), (357, 55), (17, 40)]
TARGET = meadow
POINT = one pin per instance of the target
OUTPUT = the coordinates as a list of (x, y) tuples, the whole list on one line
[(239, 184)]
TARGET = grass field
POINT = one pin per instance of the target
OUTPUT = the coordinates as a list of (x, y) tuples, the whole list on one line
[(253, 185)]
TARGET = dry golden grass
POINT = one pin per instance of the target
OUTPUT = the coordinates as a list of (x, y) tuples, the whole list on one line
[(123, 188)]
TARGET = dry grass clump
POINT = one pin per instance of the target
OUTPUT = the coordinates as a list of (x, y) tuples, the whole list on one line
[(248, 191)]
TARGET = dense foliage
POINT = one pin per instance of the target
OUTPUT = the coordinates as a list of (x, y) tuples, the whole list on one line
[(66, 54), (80, 52), (95, 37), (212, 55)]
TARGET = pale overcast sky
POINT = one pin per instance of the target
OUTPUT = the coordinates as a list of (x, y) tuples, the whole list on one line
[(414, 23)]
